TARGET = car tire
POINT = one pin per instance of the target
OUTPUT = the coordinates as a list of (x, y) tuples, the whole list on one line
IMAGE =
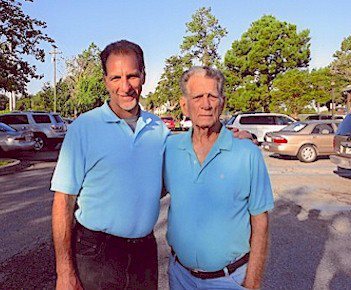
[(40, 142), (307, 153)]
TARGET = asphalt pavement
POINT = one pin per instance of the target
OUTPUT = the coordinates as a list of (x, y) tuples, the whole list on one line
[(309, 238)]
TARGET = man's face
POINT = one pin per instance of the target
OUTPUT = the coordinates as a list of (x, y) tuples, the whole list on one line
[(124, 82), (203, 104)]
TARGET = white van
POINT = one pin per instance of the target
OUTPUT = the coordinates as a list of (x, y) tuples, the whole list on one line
[(259, 124)]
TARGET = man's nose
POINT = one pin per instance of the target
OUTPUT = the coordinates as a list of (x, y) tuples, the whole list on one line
[(206, 104), (125, 85)]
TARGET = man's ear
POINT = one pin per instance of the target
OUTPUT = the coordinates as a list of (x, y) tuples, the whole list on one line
[(143, 75), (224, 102), (184, 105)]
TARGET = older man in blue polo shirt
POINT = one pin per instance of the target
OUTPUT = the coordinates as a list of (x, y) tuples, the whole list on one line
[(111, 159), (220, 195)]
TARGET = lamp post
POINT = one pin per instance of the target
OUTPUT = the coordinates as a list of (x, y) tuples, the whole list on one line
[(333, 97)]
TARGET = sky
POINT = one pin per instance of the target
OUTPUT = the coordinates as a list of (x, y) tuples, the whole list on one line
[(159, 27)]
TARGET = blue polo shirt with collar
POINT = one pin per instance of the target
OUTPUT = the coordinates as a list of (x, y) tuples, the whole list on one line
[(211, 204), (116, 173)]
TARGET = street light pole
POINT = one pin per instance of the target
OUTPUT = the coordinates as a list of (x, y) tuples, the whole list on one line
[(54, 53), (333, 98)]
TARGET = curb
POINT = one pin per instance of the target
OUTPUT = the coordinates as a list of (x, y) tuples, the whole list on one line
[(10, 168)]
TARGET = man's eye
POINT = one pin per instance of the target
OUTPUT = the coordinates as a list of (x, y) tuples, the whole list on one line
[(213, 97)]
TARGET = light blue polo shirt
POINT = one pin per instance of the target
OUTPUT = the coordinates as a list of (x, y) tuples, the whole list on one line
[(116, 173), (211, 204)]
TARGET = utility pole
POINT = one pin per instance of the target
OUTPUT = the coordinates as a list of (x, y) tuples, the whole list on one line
[(333, 99), (54, 53)]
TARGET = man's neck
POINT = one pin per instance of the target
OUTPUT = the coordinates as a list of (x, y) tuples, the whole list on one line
[(203, 140)]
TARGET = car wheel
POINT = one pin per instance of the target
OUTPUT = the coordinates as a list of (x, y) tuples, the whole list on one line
[(39, 142), (307, 153)]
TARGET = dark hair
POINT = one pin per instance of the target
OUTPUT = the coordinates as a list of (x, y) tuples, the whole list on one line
[(123, 47)]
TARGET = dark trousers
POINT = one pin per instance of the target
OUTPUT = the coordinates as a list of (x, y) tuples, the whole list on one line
[(108, 262)]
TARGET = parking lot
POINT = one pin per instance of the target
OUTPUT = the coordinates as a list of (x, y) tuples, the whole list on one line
[(310, 226)]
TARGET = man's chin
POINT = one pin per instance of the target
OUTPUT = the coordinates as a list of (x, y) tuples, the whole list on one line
[(130, 107)]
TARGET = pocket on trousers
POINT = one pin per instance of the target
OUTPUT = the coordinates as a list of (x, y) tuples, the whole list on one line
[(239, 275), (86, 248)]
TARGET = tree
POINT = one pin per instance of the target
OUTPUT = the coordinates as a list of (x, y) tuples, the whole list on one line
[(270, 47), (292, 92), (205, 36), (19, 35), (85, 80), (168, 89), (341, 66), (3, 102)]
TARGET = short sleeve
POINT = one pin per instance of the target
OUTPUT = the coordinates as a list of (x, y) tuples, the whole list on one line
[(70, 169), (261, 195)]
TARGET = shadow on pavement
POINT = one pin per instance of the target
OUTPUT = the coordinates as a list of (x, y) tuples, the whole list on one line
[(43, 156), (315, 254)]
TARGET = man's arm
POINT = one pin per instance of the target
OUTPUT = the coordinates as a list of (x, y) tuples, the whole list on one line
[(258, 252), (62, 223)]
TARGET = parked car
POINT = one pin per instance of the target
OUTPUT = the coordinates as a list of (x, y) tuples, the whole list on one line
[(306, 140), (11, 139), (323, 117), (169, 121), (342, 145), (185, 123), (67, 120), (258, 124), (48, 128)]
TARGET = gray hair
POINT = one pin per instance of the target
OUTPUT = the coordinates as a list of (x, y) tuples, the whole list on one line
[(204, 71)]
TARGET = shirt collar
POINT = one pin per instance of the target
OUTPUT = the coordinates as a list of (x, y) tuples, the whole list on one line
[(223, 142), (110, 117)]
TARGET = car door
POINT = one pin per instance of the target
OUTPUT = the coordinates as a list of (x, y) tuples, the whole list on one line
[(322, 137)]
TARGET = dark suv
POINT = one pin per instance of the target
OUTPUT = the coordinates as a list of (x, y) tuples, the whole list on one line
[(342, 146), (48, 128)]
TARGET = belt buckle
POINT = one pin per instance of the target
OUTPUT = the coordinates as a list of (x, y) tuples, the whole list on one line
[(226, 272)]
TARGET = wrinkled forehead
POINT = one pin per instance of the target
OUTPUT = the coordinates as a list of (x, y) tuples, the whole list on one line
[(202, 84)]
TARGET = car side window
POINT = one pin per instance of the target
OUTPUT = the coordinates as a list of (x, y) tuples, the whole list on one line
[(257, 120), (42, 119), (14, 119), (323, 127), (281, 120)]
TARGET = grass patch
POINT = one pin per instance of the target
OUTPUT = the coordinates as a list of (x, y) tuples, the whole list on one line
[(5, 162)]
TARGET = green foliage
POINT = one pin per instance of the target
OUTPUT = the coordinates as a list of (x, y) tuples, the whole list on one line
[(19, 35), (200, 46), (205, 36), (4, 102), (292, 92), (341, 66), (270, 47), (168, 88), (85, 80)]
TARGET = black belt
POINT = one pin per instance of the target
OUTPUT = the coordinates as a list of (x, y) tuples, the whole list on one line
[(226, 271), (101, 236)]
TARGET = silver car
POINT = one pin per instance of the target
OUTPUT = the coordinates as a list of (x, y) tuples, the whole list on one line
[(48, 128), (11, 139)]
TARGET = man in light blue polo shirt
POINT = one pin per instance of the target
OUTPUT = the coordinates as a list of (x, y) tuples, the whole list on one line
[(220, 195), (111, 161)]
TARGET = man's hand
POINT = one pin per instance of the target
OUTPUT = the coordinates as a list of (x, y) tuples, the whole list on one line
[(243, 134), (68, 281)]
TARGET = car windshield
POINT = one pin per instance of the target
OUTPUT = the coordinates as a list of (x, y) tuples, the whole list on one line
[(294, 127), (231, 120), (345, 126), (6, 128), (58, 119)]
